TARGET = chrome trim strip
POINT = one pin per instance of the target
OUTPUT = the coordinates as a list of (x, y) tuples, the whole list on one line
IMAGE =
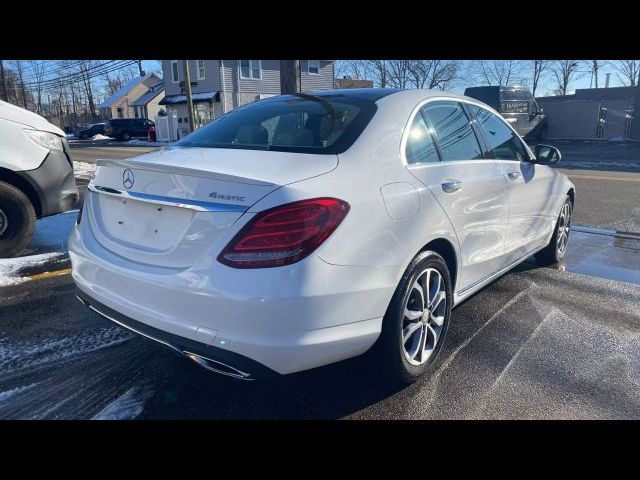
[(466, 292), (199, 359), (197, 205)]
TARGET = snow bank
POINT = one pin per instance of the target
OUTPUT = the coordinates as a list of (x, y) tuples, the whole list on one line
[(84, 170), (8, 394), (143, 143), (11, 267), (99, 136), (17, 355), (127, 406)]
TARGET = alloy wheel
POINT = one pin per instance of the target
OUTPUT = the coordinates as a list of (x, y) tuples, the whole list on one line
[(4, 222), (564, 224), (424, 316)]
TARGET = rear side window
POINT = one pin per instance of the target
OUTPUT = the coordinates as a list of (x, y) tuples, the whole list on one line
[(454, 135), (325, 124), (420, 147), (502, 142)]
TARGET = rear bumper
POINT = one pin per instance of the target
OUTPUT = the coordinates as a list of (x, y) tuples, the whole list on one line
[(284, 319), (210, 357)]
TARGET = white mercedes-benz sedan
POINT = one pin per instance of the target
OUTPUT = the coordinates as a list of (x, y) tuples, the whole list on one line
[(305, 229)]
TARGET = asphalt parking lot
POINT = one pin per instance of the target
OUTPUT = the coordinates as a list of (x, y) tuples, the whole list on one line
[(538, 343)]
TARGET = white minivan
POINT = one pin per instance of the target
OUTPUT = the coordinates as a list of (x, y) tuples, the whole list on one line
[(36, 175)]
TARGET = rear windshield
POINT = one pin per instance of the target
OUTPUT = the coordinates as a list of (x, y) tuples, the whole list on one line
[(516, 94), (327, 124)]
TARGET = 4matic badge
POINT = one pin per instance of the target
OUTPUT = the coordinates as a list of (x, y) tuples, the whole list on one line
[(224, 196)]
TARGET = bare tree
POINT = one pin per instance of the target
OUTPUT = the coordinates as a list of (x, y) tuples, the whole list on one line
[(628, 72), (112, 84), (564, 71), (379, 71), (85, 71), (358, 69), (594, 67), (539, 67), (38, 74), (19, 69), (399, 73), (434, 74), (499, 72)]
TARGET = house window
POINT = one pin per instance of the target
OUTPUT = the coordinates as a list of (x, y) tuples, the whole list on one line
[(201, 70), (251, 69), (313, 67), (174, 71), (120, 112)]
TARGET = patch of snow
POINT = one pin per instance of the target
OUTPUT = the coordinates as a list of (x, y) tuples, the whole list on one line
[(8, 394), (18, 355), (10, 267), (143, 143), (127, 406), (99, 136), (84, 170)]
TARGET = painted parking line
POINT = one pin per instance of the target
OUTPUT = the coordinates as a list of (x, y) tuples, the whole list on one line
[(55, 273), (606, 177)]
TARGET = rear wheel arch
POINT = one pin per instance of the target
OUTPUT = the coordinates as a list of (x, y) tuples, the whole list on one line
[(447, 251), (23, 185), (572, 195)]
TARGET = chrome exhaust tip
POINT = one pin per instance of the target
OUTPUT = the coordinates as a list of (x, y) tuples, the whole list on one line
[(217, 366)]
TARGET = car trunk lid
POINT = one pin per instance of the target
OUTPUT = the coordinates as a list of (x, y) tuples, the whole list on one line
[(168, 208)]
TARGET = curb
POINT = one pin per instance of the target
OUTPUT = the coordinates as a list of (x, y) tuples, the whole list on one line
[(607, 232)]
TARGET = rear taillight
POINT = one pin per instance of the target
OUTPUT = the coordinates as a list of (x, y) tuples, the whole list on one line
[(284, 235)]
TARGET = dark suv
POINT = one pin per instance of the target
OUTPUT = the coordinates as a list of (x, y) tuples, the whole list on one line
[(91, 130), (126, 128), (517, 105)]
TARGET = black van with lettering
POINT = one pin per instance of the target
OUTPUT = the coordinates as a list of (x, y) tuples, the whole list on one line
[(517, 105)]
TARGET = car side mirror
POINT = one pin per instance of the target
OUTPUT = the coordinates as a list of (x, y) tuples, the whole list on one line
[(546, 154)]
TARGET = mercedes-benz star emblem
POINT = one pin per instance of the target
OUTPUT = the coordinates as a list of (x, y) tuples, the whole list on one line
[(128, 178)]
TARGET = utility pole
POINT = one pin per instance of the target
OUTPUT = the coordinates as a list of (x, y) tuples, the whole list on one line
[(289, 77), (187, 89), (139, 62), (4, 83)]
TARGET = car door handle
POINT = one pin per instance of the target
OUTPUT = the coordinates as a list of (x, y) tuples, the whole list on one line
[(513, 175), (452, 186)]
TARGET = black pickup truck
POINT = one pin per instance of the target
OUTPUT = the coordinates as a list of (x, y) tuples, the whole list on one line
[(517, 105)]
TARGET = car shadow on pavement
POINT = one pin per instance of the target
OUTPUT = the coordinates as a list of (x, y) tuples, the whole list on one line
[(329, 392)]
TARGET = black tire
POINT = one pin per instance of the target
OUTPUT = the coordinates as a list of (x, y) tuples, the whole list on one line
[(552, 253), (390, 351), (18, 219), (126, 136)]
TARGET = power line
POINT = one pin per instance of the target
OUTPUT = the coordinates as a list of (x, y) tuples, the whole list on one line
[(55, 72), (88, 74), (75, 74)]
